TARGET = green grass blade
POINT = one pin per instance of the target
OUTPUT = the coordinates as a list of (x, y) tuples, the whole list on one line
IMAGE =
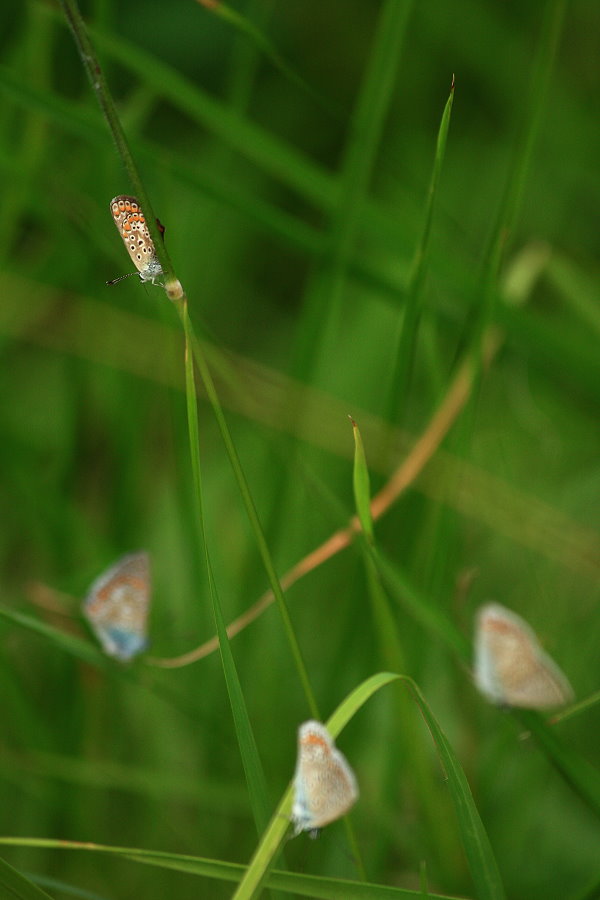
[(361, 484), (334, 888), (304, 885), (388, 625), (251, 513), (255, 777), (14, 886), (478, 850), (414, 290), (271, 841)]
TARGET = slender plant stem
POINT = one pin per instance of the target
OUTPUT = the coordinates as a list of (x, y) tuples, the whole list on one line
[(255, 777), (100, 87), (211, 393)]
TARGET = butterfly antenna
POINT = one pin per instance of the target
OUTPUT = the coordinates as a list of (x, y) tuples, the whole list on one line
[(121, 277)]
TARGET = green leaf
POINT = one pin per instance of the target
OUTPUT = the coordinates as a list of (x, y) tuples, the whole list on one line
[(16, 887)]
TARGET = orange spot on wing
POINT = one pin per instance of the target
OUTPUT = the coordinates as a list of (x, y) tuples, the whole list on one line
[(312, 738), (498, 626)]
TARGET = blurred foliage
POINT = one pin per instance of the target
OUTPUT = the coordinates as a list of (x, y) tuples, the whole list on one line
[(247, 169)]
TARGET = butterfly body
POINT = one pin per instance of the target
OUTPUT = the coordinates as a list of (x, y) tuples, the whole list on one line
[(511, 668), (324, 784), (131, 225), (117, 606)]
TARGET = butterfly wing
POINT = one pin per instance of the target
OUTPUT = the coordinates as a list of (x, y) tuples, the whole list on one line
[(117, 606), (324, 785), (131, 225), (511, 667)]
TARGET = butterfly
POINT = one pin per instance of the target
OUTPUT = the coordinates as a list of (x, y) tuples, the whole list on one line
[(324, 784), (117, 606), (511, 668), (131, 225)]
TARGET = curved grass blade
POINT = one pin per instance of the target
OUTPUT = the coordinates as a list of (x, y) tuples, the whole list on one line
[(478, 851), (475, 841), (304, 885)]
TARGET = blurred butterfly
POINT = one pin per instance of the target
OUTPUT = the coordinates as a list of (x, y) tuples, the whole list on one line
[(117, 606), (511, 668), (324, 784)]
